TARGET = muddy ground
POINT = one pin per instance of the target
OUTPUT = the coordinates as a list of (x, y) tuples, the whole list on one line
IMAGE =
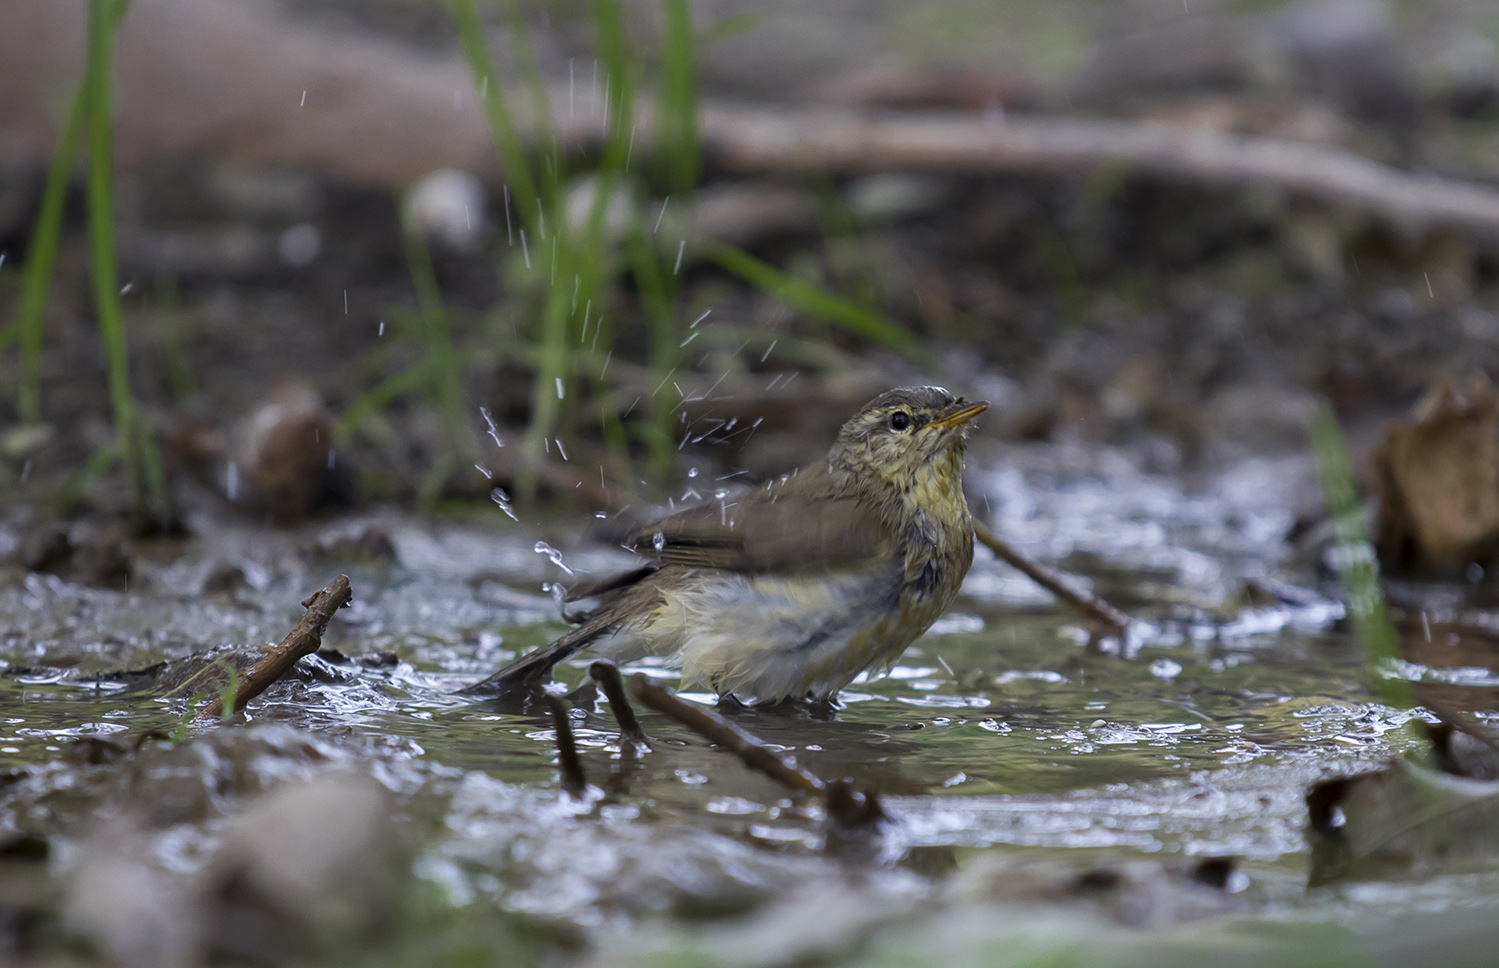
[(1154, 344)]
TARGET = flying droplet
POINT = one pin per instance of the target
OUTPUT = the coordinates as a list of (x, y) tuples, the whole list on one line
[(658, 541), (692, 472), (493, 431), (499, 497), (542, 548)]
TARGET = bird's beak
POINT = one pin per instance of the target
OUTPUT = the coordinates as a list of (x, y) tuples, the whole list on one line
[(958, 414)]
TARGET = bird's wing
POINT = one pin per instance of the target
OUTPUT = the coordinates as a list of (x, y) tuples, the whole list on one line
[(786, 531)]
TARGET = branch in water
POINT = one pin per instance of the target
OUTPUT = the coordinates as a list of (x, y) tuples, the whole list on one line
[(304, 639), (1086, 602)]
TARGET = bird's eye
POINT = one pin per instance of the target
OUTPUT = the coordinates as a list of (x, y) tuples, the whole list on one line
[(900, 420)]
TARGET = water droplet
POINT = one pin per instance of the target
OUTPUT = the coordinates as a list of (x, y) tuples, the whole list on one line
[(658, 541), (493, 431), (499, 497), (542, 548), (484, 470), (600, 515), (721, 493), (692, 472), (561, 391)]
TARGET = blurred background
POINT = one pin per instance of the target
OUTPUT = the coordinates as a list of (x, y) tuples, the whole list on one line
[(342, 231)]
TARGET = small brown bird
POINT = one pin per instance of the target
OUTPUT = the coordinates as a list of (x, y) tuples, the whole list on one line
[(791, 590)]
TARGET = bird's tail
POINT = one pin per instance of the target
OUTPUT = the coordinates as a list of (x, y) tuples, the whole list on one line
[(528, 673)]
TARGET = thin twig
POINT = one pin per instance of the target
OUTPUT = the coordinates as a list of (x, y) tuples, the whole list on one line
[(1086, 602), (714, 728), (847, 809), (304, 639), (568, 764), (632, 739)]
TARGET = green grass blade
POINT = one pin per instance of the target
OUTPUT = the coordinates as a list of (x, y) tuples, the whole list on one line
[(549, 175), (378, 398), (101, 239), (676, 113), (502, 130), (41, 256), (812, 300), (41, 248), (1358, 566)]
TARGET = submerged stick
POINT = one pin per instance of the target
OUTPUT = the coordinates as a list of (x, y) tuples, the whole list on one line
[(1086, 602), (632, 739), (847, 809), (304, 639), (573, 779), (714, 728)]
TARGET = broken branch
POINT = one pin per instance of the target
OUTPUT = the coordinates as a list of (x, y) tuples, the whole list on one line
[(719, 731), (1086, 602), (304, 639)]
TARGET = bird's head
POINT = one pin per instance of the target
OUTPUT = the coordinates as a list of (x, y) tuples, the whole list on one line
[(905, 436)]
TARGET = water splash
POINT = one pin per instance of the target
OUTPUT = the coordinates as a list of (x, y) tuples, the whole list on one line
[(658, 541), (542, 548)]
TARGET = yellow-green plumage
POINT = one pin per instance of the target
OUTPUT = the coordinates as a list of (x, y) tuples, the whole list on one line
[(792, 590)]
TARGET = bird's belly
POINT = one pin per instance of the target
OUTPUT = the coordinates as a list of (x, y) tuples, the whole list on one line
[(766, 639)]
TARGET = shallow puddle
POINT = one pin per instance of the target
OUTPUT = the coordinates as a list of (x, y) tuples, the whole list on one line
[(1002, 737)]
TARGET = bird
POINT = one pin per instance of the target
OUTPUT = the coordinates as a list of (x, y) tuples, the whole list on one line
[(792, 589)]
